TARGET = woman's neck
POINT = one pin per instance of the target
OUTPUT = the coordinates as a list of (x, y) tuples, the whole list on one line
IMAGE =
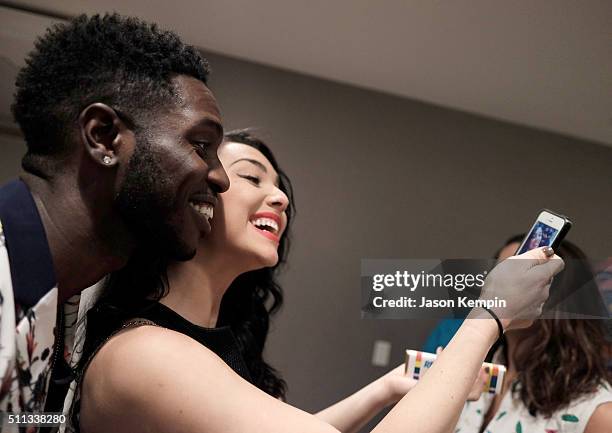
[(197, 288)]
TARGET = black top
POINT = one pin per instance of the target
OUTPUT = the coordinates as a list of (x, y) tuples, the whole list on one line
[(220, 340)]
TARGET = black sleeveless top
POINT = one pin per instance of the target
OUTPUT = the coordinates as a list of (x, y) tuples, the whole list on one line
[(220, 340)]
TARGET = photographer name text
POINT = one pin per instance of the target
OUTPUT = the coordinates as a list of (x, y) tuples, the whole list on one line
[(461, 302)]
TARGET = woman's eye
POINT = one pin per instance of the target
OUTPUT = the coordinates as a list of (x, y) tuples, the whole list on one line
[(253, 179)]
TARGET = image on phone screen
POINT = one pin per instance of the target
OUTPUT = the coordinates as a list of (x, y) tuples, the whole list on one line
[(541, 235)]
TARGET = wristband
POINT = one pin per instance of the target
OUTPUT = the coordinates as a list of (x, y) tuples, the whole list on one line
[(500, 328)]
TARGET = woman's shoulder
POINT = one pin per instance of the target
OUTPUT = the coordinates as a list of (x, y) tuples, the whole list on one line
[(141, 361), (601, 419), (143, 347), (151, 379), (590, 410)]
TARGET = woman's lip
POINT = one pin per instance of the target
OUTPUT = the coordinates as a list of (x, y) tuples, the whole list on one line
[(271, 215), (267, 234)]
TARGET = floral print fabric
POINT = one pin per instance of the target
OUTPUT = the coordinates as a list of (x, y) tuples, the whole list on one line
[(513, 416), (27, 340)]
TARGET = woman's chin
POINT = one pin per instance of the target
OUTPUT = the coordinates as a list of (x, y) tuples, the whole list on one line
[(268, 259)]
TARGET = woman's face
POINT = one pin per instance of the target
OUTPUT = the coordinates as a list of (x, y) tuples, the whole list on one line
[(250, 218), (536, 239)]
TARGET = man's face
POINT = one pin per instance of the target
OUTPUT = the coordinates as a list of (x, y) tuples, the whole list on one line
[(173, 177)]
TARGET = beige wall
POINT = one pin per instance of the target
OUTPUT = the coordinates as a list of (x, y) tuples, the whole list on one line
[(377, 176)]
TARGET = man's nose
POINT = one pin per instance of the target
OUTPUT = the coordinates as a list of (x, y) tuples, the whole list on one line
[(218, 180)]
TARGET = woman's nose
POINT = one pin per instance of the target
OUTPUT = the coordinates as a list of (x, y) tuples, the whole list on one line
[(278, 199)]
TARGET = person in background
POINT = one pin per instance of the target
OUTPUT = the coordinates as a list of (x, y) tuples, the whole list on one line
[(557, 378), (603, 278), (442, 334)]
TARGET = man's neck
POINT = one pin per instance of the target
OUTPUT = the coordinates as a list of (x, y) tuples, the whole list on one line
[(85, 241)]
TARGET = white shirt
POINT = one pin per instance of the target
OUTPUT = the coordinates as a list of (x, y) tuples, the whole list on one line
[(513, 417)]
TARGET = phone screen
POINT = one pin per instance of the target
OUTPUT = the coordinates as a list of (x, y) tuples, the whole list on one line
[(541, 235)]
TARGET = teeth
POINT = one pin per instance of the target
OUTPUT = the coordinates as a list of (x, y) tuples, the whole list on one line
[(266, 223), (204, 209)]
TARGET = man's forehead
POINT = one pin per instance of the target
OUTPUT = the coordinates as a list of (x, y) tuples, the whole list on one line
[(194, 95)]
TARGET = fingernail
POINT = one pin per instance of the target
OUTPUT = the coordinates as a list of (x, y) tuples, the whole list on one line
[(548, 251)]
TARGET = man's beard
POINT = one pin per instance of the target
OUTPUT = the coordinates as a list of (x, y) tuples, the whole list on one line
[(146, 203)]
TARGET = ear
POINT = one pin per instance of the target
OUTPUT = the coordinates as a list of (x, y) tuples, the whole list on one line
[(102, 133)]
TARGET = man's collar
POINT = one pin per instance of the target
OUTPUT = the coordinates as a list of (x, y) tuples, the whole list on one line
[(30, 259)]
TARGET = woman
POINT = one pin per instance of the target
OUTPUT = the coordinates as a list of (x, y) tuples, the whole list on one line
[(131, 384), (557, 378)]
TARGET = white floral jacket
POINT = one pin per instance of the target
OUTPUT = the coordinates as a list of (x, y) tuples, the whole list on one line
[(28, 308)]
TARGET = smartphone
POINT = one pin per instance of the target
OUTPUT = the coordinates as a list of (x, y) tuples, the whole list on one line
[(548, 230)]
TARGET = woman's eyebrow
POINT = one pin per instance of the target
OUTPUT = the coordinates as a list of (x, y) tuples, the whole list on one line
[(252, 161)]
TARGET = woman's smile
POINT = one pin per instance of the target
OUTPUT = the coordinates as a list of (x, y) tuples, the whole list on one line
[(267, 224)]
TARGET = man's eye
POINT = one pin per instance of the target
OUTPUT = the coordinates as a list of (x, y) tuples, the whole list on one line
[(253, 179), (201, 147)]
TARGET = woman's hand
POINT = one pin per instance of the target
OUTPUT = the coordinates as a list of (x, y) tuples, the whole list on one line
[(523, 282), (479, 385)]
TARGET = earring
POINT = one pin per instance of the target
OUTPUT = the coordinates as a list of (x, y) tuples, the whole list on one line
[(107, 160)]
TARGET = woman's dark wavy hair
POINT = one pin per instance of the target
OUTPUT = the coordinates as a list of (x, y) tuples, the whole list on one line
[(255, 296), (246, 307), (562, 360)]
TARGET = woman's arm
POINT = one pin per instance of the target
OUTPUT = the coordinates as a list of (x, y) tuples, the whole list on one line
[(523, 282), (352, 413), (152, 379), (435, 403)]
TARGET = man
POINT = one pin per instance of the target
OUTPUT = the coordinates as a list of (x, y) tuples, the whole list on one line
[(122, 135)]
